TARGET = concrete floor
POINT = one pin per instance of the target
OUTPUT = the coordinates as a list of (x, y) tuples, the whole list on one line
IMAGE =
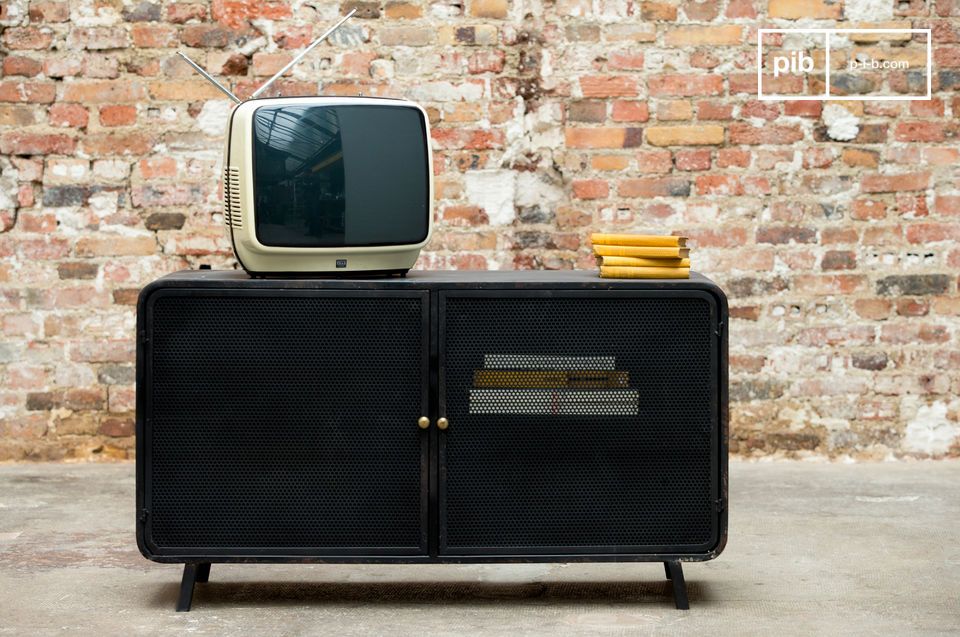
[(814, 548)]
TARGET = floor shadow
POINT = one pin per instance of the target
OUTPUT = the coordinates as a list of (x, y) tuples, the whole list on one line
[(218, 594)]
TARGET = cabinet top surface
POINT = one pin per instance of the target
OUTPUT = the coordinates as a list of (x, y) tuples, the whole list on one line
[(432, 278)]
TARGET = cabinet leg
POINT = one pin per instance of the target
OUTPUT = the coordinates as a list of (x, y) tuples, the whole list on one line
[(185, 600), (203, 573), (675, 574), (666, 569)]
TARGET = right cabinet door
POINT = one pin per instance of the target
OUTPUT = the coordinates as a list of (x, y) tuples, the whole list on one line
[(580, 422)]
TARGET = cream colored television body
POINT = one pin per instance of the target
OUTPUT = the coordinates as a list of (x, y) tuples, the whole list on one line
[(328, 185)]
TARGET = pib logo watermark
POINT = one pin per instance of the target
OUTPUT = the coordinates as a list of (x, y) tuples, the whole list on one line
[(844, 64)]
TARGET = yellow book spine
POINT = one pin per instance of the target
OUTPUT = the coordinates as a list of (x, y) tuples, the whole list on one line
[(570, 379), (625, 272), (657, 252), (645, 261), (637, 240)]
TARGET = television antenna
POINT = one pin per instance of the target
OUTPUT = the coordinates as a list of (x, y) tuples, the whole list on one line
[(278, 74)]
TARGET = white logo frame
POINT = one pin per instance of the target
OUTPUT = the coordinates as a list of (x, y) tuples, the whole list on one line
[(826, 96)]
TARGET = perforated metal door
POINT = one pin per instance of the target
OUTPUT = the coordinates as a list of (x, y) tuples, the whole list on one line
[(579, 422), (285, 423)]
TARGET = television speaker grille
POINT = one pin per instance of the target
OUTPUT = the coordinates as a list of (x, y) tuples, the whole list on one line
[(231, 197)]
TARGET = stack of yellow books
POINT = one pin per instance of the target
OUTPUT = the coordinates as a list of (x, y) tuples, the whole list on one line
[(641, 256)]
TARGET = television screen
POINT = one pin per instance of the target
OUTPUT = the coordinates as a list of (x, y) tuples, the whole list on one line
[(333, 176)]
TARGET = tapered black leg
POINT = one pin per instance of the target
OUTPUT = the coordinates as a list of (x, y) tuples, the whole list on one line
[(186, 587), (203, 573), (675, 573), (666, 569)]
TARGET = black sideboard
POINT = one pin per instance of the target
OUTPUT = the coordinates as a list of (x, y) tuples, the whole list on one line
[(438, 417)]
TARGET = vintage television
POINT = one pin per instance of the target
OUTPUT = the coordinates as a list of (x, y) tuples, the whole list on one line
[(327, 184)]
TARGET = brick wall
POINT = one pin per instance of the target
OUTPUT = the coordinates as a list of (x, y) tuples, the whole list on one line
[(549, 119)]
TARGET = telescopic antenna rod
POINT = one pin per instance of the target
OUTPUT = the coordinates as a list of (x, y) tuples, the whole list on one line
[(209, 77), (294, 61)]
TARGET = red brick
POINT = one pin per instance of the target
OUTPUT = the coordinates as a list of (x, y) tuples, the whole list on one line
[(625, 111), (33, 38), (623, 61), (933, 232), (115, 246), (116, 426), (803, 109), (860, 157), (742, 133), (725, 35), (654, 187), (947, 205), (692, 159), (236, 13), (177, 90), (654, 161), (873, 309), (46, 248), (465, 216), (894, 183), (728, 237), (733, 157), (591, 189), (913, 333), (270, 63), (818, 157), (598, 137), (839, 260), (760, 110), (701, 59), (18, 143), (37, 92), (714, 111), (158, 167), (919, 132), (927, 108), (674, 110), (863, 209), (684, 85), (103, 351), (98, 38), (913, 307), (741, 9), (183, 12), (68, 115), (118, 115), (799, 9), (912, 206), (20, 65), (608, 86), (485, 61), (118, 144), (658, 11), (154, 36), (62, 67), (940, 156), (205, 36), (786, 234), (104, 92), (49, 11), (831, 285)]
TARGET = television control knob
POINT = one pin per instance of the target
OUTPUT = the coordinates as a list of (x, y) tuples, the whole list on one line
[(442, 423), (423, 422)]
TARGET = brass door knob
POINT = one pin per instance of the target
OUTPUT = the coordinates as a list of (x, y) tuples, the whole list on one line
[(442, 423), (423, 422)]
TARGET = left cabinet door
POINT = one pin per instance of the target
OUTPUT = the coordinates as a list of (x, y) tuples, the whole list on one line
[(282, 423)]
